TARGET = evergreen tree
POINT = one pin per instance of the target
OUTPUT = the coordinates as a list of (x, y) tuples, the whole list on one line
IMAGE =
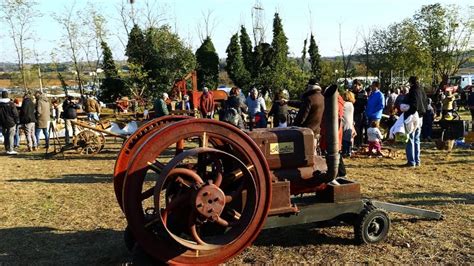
[(303, 54), (263, 74), (207, 64), (166, 59), (279, 45), (246, 45), (112, 86), (280, 53), (108, 64), (235, 64), (314, 59), (135, 46)]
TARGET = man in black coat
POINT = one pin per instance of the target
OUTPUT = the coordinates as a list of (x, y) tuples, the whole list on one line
[(8, 120), (417, 101), (70, 116), (28, 120)]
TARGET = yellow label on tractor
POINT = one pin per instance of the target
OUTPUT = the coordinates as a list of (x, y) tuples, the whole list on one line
[(282, 148)]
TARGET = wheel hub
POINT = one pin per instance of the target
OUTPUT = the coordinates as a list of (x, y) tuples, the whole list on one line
[(210, 201)]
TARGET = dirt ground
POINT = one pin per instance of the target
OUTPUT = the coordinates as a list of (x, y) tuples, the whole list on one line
[(63, 211)]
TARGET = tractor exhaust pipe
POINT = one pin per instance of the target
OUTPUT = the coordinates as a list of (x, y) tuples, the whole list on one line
[(332, 128)]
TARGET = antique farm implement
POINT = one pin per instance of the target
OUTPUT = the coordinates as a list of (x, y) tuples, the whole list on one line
[(91, 138), (198, 191)]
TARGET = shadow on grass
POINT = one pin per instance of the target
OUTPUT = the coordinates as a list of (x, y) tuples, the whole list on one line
[(435, 198), (112, 155), (301, 235), (70, 179), (48, 246)]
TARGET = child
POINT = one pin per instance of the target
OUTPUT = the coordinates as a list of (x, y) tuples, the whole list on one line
[(282, 121), (374, 138)]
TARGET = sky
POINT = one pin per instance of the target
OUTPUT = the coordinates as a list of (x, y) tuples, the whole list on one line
[(325, 19)]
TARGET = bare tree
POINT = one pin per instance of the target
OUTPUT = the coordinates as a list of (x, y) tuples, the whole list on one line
[(365, 50), (153, 14), (126, 18), (71, 40), (94, 32), (346, 57), (19, 15), (207, 27)]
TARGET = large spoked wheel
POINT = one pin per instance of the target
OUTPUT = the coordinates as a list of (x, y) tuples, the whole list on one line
[(88, 142), (372, 226), (203, 205), (131, 145)]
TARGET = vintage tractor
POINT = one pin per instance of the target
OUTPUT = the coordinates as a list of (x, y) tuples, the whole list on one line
[(199, 191)]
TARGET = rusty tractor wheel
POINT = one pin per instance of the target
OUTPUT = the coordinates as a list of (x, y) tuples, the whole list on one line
[(88, 142), (131, 145), (196, 192)]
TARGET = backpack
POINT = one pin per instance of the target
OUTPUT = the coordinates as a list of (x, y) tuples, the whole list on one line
[(232, 116)]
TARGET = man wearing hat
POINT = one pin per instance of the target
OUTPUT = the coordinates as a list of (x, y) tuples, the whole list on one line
[(8, 119), (160, 106), (311, 108)]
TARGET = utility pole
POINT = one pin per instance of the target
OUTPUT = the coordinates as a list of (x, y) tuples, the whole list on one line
[(132, 10), (257, 17), (40, 79)]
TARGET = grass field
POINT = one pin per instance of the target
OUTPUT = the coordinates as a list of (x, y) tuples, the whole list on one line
[(63, 211)]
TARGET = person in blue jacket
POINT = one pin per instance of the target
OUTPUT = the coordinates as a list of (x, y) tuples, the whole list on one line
[(375, 103)]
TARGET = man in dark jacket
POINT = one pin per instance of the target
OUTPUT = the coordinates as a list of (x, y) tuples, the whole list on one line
[(70, 116), (233, 108), (417, 101), (28, 120), (311, 108), (8, 120), (360, 119)]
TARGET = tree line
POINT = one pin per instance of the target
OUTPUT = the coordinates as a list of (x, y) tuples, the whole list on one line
[(433, 45)]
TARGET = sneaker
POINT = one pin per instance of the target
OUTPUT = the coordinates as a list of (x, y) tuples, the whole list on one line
[(12, 152), (407, 165)]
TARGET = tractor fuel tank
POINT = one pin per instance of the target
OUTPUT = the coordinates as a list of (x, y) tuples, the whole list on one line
[(284, 148)]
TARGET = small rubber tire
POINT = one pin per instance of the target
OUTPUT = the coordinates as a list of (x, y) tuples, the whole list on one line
[(372, 226)]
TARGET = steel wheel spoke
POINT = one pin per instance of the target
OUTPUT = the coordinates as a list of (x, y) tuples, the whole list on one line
[(204, 140), (193, 229), (234, 194), (148, 193), (156, 166), (187, 172), (220, 221), (173, 204)]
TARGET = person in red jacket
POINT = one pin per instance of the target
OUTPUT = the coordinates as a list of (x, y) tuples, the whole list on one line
[(206, 104)]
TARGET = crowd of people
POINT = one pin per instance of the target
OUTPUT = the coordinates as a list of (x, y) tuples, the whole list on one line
[(360, 113), (36, 115)]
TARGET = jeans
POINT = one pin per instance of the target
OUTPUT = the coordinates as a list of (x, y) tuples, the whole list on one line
[(413, 147), (46, 136), (30, 135), (93, 117), (68, 126), (346, 147), (360, 121), (16, 141), (8, 137)]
